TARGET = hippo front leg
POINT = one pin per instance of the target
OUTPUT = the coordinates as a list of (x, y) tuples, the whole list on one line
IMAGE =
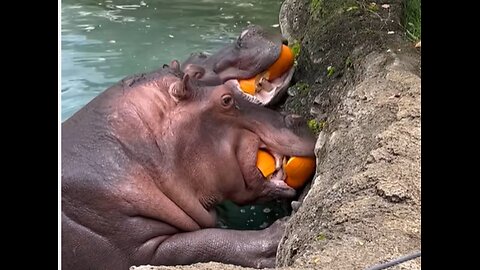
[(246, 248)]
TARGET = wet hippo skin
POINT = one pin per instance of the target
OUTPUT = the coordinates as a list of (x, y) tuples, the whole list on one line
[(146, 161)]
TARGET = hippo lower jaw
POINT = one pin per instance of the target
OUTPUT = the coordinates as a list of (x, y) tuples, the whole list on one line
[(268, 92)]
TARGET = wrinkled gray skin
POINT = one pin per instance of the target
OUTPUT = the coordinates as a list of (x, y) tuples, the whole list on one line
[(144, 163), (252, 53)]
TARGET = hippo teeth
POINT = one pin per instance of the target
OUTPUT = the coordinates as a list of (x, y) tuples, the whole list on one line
[(278, 175), (266, 91)]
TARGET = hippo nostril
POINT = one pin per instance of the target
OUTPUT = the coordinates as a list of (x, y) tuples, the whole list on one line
[(293, 120), (284, 41)]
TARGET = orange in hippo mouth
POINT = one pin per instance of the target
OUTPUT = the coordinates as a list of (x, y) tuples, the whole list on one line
[(265, 162), (294, 171), (265, 86)]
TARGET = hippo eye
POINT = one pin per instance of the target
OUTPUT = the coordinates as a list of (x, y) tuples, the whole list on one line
[(227, 101)]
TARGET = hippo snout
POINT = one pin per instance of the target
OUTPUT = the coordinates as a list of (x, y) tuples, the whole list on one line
[(305, 137)]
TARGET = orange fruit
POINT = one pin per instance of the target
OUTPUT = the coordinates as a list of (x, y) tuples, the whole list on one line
[(283, 63), (299, 170), (249, 85), (265, 162)]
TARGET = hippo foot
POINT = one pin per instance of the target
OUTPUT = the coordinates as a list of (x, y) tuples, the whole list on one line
[(268, 244)]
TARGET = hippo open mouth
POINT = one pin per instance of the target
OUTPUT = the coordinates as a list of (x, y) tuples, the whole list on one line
[(259, 64), (266, 91), (279, 146), (282, 170), (270, 85)]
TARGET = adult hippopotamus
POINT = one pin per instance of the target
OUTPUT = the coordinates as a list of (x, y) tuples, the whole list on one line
[(253, 52), (146, 161)]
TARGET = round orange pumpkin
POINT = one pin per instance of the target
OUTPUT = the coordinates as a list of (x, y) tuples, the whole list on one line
[(283, 63), (299, 170)]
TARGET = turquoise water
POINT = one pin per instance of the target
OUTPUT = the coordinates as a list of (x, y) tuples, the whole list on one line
[(105, 41)]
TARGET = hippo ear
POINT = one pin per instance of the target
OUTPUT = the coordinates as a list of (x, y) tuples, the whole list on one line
[(175, 65), (181, 90)]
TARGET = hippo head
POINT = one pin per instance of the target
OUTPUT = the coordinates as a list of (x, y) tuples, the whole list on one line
[(225, 132), (258, 65)]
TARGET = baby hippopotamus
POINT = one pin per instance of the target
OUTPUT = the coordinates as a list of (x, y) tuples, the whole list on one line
[(146, 161)]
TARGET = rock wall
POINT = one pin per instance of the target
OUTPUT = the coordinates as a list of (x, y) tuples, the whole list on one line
[(364, 204)]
